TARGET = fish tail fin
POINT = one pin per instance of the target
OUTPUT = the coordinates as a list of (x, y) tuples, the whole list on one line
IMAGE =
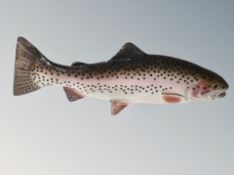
[(27, 57)]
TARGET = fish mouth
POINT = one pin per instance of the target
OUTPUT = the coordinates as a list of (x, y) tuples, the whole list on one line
[(223, 94), (217, 95)]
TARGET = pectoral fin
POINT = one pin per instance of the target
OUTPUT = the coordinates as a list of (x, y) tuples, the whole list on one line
[(117, 106), (172, 97), (72, 94)]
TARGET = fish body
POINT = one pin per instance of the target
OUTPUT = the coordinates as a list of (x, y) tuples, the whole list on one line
[(131, 76)]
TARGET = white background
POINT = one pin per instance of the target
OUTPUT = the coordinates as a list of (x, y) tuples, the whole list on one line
[(43, 134)]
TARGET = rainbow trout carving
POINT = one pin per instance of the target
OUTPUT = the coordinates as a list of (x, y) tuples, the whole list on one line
[(131, 76)]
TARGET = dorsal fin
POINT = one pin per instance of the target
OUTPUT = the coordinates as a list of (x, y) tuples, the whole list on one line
[(127, 52), (77, 64)]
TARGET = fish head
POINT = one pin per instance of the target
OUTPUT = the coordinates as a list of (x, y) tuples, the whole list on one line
[(210, 86)]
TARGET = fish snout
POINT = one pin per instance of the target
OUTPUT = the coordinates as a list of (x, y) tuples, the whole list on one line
[(225, 85), (223, 94)]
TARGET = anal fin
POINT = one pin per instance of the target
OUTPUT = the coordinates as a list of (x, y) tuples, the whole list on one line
[(72, 94), (117, 106)]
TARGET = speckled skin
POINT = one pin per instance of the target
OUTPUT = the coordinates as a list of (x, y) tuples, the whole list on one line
[(131, 76)]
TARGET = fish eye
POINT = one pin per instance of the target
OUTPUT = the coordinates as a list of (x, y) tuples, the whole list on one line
[(215, 86)]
